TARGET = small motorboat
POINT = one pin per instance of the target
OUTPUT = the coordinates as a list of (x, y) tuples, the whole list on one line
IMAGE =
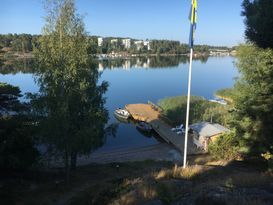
[(218, 100), (144, 127), (122, 114)]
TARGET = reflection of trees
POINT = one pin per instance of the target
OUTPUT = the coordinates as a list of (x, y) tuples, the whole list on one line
[(27, 65), (202, 59), (16, 66), (167, 61), (148, 62)]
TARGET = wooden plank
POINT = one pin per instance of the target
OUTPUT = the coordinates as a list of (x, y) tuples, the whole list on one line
[(146, 112)]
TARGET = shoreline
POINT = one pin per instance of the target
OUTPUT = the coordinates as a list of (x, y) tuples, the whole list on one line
[(21, 56)]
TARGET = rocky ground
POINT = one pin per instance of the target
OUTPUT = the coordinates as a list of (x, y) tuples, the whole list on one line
[(148, 182)]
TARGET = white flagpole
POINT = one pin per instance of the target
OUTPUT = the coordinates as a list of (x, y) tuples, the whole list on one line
[(188, 112)]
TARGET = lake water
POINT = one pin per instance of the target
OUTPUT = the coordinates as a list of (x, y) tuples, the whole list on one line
[(138, 80)]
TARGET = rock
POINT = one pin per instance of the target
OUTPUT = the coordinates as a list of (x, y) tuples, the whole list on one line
[(154, 202)]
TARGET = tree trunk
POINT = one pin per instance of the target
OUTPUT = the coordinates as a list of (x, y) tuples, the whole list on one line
[(73, 161), (67, 167)]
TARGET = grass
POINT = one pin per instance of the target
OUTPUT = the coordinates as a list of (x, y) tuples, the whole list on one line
[(180, 173), (174, 108), (141, 182)]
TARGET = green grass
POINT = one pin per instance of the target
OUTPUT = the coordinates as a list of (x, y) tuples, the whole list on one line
[(175, 108)]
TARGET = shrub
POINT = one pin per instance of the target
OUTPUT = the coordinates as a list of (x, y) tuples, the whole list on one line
[(225, 147)]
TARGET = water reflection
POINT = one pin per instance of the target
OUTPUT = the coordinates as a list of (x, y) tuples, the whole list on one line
[(146, 62), (13, 66), (162, 77)]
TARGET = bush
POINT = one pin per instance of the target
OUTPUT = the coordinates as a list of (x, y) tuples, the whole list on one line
[(17, 146), (175, 108), (225, 147)]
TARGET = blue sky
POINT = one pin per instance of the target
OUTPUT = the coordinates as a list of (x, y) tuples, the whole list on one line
[(219, 21)]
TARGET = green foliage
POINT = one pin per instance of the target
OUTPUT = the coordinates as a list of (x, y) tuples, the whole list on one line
[(18, 42), (259, 22), (27, 43), (226, 146), (253, 98), (200, 109), (9, 98), (17, 145), (217, 113), (70, 105), (17, 149), (226, 93), (164, 46)]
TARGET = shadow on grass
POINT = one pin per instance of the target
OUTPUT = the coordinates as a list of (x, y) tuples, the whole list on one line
[(148, 181)]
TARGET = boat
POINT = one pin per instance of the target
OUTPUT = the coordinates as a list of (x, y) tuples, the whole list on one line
[(144, 127), (220, 101), (122, 114)]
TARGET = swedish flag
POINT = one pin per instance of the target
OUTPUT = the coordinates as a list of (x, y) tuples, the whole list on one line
[(193, 20)]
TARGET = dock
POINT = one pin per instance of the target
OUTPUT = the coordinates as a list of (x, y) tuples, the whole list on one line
[(152, 116)]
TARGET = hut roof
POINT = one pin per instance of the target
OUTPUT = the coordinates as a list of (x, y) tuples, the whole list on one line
[(207, 129)]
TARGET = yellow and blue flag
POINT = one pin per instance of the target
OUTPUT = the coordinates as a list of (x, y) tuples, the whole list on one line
[(193, 20)]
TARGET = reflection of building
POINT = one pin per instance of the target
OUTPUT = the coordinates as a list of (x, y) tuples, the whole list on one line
[(126, 43), (147, 63), (100, 66), (126, 65), (204, 133), (139, 63), (100, 41)]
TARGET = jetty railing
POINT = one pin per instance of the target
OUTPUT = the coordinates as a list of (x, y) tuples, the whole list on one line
[(155, 106)]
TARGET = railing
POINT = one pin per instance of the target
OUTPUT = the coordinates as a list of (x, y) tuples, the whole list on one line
[(155, 107)]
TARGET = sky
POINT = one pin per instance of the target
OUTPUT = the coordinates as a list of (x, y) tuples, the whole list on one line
[(219, 21)]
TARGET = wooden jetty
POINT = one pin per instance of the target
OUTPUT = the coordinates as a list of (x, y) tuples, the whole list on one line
[(151, 115)]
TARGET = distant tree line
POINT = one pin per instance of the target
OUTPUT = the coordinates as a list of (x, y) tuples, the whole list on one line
[(26, 42), (18, 42)]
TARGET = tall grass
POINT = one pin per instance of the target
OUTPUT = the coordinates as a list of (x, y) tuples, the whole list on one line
[(179, 172), (175, 108)]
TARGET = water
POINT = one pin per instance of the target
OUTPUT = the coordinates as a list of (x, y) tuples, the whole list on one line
[(138, 80)]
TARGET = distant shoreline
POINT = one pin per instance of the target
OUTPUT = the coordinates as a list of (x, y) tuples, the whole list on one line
[(19, 55)]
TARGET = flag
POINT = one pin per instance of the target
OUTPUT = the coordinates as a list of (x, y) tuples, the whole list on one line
[(193, 20)]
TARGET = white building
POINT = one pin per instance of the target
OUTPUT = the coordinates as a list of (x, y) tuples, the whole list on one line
[(139, 44), (147, 44), (114, 40), (127, 43), (100, 41)]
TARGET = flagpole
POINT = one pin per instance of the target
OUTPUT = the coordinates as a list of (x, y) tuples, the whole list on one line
[(188, 111)]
